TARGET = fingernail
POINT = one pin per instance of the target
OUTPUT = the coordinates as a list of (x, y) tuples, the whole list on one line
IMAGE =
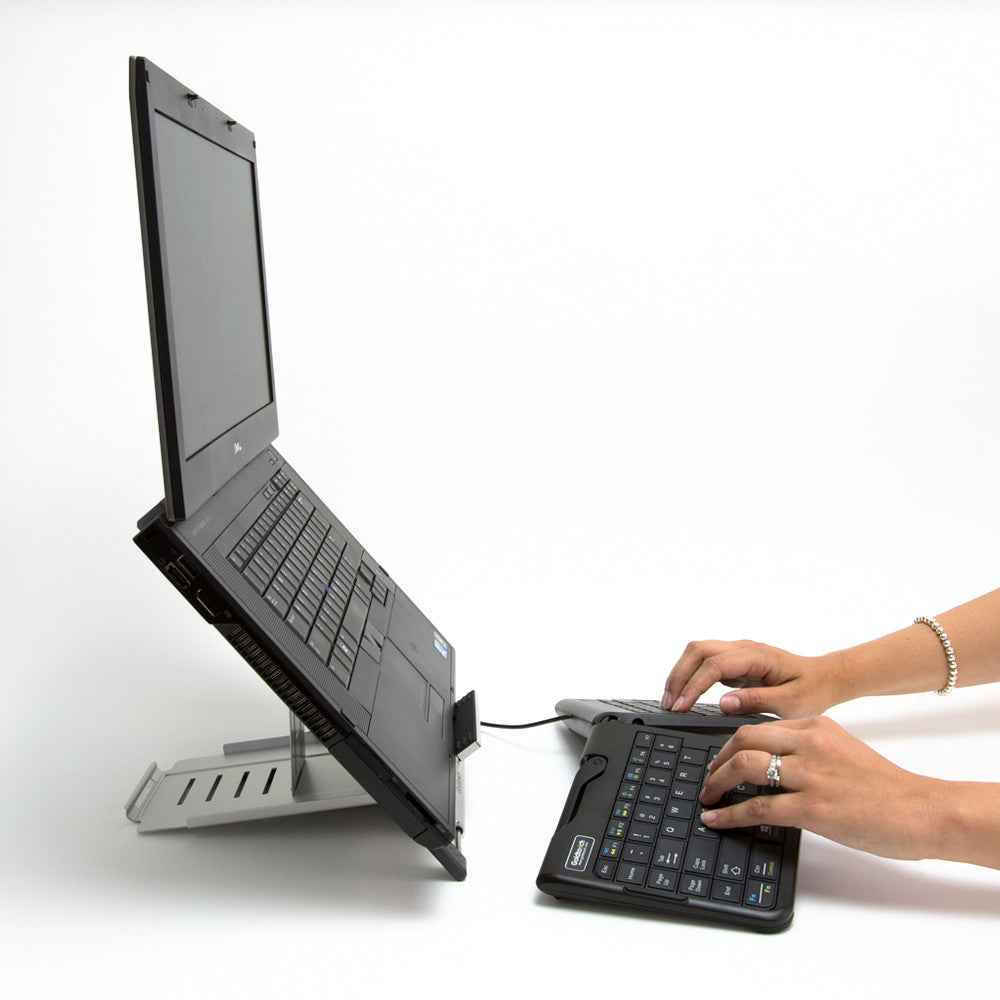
[(730, 703), (666, 700), (676, 706), (708, 818)]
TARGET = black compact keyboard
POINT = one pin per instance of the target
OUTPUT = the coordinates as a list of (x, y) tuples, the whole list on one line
[(322, 587), (630, 833)]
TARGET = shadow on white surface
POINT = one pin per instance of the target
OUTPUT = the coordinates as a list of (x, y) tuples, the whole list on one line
[(354, 859), (837, 874), (941, 720)]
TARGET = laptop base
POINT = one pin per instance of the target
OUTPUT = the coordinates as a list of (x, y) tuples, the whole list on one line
[(257, 779)]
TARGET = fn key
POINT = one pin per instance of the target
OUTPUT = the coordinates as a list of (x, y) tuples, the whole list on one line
[(760, 894)]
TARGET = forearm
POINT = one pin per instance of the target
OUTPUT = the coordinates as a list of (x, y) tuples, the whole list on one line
[(964, 822), (913, 658)]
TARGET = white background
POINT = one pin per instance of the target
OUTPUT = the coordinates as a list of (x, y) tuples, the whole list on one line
[(605, 327)]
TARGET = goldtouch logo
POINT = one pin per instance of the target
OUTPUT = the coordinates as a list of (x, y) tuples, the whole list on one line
[(579, 853), (237, 447)]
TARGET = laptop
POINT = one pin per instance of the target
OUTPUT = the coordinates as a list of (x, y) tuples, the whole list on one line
[(239, 532)]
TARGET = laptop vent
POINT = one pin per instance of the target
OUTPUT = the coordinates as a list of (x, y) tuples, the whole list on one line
[(249, 599), (278, 681)]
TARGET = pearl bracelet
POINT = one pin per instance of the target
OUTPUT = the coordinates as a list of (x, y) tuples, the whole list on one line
[(949, 652)]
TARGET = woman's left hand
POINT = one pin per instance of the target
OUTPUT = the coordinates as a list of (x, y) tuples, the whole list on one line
[(832, 784)]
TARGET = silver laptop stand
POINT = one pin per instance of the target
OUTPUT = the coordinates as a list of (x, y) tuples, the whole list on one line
[(257, 779)]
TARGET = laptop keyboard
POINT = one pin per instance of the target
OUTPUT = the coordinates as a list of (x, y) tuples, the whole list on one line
[(324, 589), (655, 841)]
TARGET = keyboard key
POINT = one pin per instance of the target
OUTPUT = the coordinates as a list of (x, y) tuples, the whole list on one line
[(689, 772), (277, 601), (661, 878), (639, 853), (654, 776), (700, 857), (669, 743), (606, 869), (765, 862), (700, 830), (760, 894), (357, 613), (684, 790), (611, 849), (643, 833), (695, 885), (652, 795), (631, 874), (675, 829), (321, 644), (623, 810), (341, 670), (727, 892), (668, 761), (617, 829), (299, 620), (668, 854), (649, 814), (677, 809), (692, 756), (732, 859)]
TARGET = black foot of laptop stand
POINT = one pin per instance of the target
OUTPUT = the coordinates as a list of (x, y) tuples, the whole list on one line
[(259, 779)]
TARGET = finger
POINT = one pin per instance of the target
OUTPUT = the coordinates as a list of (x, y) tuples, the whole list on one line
[(749, 767), (780, 737), (763, 810), (746, 661), (691, 659), (753, 698)]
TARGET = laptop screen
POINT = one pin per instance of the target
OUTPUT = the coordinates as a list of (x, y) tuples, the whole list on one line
[(205, 282), (209, 232)]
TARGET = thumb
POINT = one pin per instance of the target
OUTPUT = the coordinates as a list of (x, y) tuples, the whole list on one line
[(750, 700)]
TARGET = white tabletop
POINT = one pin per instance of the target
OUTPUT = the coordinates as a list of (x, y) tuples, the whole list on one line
[(646, 323)]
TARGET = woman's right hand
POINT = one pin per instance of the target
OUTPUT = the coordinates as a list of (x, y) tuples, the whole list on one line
[(769, 679)]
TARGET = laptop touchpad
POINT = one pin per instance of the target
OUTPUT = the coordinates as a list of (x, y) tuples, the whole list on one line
[(408, 727)]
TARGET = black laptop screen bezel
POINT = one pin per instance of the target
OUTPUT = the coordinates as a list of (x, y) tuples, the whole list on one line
[(189, 479)]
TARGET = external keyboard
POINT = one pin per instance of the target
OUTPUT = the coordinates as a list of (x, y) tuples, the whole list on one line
[(631, 833), (654, 837)]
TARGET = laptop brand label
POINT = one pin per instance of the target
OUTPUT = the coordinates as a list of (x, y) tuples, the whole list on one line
[(579, 853), (440, 644)]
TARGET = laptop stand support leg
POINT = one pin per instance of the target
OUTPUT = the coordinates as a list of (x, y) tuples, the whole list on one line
[(244, 783)]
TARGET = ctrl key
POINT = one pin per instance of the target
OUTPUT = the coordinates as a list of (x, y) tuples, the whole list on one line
[(760, 894)]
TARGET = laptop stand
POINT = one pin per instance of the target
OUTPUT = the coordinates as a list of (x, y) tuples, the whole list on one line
[(245, 783)]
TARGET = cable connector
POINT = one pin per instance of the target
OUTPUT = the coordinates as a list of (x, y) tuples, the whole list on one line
[(466, 726)]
